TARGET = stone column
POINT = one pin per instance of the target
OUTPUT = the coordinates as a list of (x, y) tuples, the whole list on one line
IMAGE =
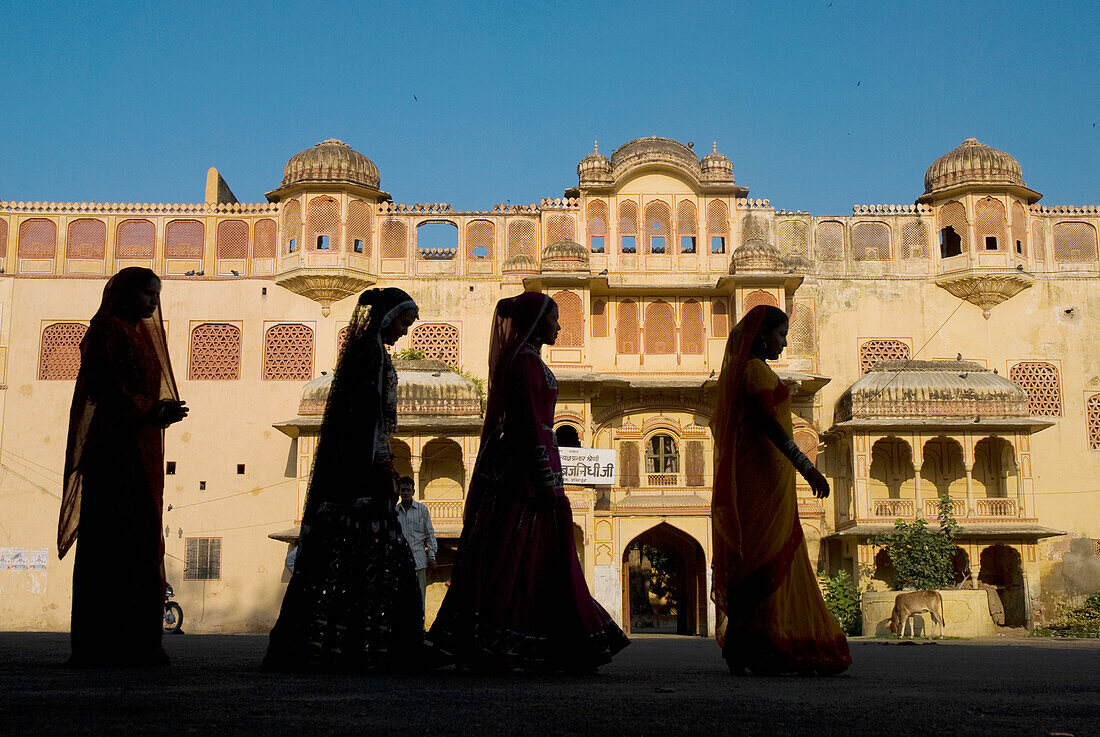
[(970, 511)]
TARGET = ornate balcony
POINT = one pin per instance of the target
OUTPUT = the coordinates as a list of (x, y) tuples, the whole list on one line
[(996, 507), (932, 508), (893, 508)]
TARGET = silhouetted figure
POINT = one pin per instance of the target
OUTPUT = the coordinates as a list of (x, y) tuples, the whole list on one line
[(772, 618), (517, 596), (353, 601), (114, 477)]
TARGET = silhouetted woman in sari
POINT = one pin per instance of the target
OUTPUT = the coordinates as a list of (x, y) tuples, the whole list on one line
[(517, 596), (772, 618), (114, 477), (353, 601)]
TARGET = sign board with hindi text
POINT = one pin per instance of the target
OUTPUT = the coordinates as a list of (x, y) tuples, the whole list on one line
[(587, 466)]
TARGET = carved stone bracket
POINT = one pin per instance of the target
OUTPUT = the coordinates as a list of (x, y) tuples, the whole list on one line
[(985, 288), (325, 285)]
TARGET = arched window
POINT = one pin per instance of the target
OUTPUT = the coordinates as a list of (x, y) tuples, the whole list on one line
[(953, 230), (1019, 229), (1092, 419), (215, 352), (691, 328), (758, 297), (522, 238), (232, 239), (599, 318), (687, 226), (479, 239), (37, 238), (794, 238), (1043, 384), (3, 238), (719, 318), (567, 436), (1039, 240), (661, 455), (560, 228), (264, 239), (571, 319), (694, 465), (292, 227), (87, 238), (442, 471), (135, 239), (359, 224), (800, 335), (323, 224), (660, 329), (886, 349), (342, 340), (870, 242), (628, 227), (990, 224), (658, 228), (626, 327), (914, 240), (393, 237), (437, 341), (597, 226), (1073, 243), (184, 239), (718, 225), (288, 353), (830, 241), (59, 356)]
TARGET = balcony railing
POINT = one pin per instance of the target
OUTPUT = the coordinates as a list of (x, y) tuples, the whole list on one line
[(893, 508), (663, 479), (445, 513), (995, 507), (932, 508)]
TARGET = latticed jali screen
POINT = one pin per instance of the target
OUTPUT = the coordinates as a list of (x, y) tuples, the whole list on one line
[(1092, 418), (1019, 227), (560, 228), (1039, 241), (658, 224), (323, 218), (359, 222), (87, 238), (628, 218), (1073, 243), (599, 319), (757, 298), (437, 341), (597, 219), (800, 335), (660, 329), (37, 238), (59, 358), (522, 239), (870, 242), (806, 440), (292, 224), (1043, 384), (215, 352), (232, 239), (626, 327), (885, 349), (718, 218), (3, 238), (794, 238), (288, 353), (480, 235), (754, 228), (264, 239), (135, 239), (990, 221), (914, 240), (695, 467), (630, 458), (687, 219), (393, 237), (830, 241), (571, 319), (719, 318), (953, 215), (691, 328), (183, 239)]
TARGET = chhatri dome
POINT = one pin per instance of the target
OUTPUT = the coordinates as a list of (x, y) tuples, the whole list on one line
[(331, 161), (972, 163)]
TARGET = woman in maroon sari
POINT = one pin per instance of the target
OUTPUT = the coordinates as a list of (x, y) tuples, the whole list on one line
[(114, 477), (517, 596), (772, 618)]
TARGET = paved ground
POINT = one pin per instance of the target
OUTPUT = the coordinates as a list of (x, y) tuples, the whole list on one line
[(660, 685)]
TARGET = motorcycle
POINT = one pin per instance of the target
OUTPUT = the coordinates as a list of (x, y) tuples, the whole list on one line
[(173, 613)]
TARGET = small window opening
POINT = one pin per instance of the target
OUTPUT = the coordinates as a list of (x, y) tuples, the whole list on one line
[(596, 243), (1019, 247), (991, 243), (170, 468), (358, 246), (322, 243), (718, 244), (657, 244), (202, 486), (687, 244), (950, 243), (567, 437), (240, 469), (630, 244), (480, 252), (292, 245)]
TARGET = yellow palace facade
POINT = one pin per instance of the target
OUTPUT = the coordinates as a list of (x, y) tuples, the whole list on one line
[(947, 346)]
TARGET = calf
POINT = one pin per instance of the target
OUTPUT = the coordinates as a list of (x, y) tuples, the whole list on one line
[(914, 602)]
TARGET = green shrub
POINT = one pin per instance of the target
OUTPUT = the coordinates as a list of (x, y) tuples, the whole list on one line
[(843, 600), (922, 559), (1083, 621), (409, 354)]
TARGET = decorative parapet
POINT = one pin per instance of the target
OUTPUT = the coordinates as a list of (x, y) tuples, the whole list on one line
[(1065, 210), (746, 203), (325, 284), (985, 288), (918, 209), (531, 209), (420, 208), (144, 208), (560, 203)]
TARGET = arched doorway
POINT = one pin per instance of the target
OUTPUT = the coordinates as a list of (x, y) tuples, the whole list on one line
[(665, 583), (1002, 570), (568, 437)]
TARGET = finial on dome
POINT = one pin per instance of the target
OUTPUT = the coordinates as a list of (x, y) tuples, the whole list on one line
[(714, 147), (595, 147)]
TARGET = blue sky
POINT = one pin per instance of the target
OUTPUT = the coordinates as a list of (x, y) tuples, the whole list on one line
[(820, 105)]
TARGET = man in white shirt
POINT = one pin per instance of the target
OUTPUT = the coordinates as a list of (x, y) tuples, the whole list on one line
[(416, 525)]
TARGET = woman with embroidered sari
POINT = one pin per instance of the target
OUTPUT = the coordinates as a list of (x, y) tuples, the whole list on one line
[(353, 601), (772, 617), (125, 396), (517, 597)]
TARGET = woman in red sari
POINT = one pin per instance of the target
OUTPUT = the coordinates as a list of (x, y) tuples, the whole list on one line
[(517, 596), (772, 618), (114, 477)]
